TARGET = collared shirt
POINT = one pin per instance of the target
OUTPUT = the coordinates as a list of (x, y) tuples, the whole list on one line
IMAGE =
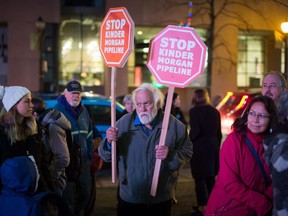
[(136, 123), (146, 130)]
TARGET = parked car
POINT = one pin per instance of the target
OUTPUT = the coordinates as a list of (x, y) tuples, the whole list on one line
[(120, 98), (231, 107), (98, 106)]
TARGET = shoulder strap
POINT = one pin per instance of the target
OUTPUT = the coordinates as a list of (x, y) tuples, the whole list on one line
[(46, 137), (257, 160)]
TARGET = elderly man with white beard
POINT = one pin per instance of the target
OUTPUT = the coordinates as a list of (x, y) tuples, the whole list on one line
[(137, 136)]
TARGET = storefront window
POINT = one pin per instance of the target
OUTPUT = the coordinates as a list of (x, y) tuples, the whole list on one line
[(251, 64), (80, 57)]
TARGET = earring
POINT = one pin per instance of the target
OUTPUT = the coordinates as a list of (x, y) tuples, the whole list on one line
[(270, 130)]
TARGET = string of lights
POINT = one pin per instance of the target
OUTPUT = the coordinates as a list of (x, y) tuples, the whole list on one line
[(189, 17)]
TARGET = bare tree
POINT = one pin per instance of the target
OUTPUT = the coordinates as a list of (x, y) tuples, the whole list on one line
[(209, 14)]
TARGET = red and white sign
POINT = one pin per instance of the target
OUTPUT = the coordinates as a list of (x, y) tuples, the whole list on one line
[(116, 37), (176, 56)]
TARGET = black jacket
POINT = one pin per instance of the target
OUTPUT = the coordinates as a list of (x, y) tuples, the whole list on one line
[(205, 135)]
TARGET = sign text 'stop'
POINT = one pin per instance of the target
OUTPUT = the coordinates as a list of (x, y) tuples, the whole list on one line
[(116, 37), (176, 56)]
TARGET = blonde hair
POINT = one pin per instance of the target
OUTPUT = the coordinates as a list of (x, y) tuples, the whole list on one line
[(16, 127)]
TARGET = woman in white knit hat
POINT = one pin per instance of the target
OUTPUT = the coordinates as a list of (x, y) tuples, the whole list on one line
[(19, 132)]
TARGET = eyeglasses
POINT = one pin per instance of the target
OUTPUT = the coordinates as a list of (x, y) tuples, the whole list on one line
[(261, 116), (270, 86)]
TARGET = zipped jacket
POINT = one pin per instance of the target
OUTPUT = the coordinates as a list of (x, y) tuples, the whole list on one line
[(136, 158), (81, 128)]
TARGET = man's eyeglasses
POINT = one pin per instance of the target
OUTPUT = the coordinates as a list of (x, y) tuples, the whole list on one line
[(255, 115)]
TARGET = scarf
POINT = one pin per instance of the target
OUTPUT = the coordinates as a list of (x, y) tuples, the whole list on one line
[(74, 112)]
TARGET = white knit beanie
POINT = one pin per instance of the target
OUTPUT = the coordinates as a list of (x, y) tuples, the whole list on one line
[(11, 95)]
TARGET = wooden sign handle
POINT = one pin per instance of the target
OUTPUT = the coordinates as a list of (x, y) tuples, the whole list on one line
[(113, 121), (162, 140)]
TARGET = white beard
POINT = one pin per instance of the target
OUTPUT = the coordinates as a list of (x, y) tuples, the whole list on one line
[(146, 117), (74, 103)]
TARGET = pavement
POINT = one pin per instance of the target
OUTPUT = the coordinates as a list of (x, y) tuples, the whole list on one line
[(106, 194)]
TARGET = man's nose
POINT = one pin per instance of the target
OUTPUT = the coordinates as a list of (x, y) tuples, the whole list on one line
[(143, 107)]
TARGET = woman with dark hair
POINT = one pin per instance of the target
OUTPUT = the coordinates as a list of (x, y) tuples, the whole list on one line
[(243, 185), (205, 134), (276, 156)]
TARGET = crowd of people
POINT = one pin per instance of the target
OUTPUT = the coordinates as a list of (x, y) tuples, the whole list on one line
[(246, 175)]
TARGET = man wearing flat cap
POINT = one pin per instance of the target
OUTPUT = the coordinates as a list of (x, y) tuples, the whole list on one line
[(77, 193)]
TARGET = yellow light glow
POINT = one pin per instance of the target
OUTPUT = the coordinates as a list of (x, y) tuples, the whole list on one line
[(93, 50), (284, 27), (145, 50), (67, 46), (228, 95), (83, 75), (242, 102)]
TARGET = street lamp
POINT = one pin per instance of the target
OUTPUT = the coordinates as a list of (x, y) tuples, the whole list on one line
[(284, 28), (40, 27)]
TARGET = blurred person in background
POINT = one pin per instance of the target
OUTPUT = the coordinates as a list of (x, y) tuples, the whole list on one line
[(276, 156), (53, 125), (96, 166), (273, 84), (78, 193), (205, 135), (243, 185), (128, 104), (19, 176)]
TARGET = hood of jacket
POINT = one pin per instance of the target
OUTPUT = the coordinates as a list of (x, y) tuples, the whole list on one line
[(54, 116), (20, 175)]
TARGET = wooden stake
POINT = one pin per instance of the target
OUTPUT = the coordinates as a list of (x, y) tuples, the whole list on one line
[(162, 140), (113, 121)]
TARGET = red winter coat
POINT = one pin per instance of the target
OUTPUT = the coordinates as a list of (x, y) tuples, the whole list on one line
[(240, 187)]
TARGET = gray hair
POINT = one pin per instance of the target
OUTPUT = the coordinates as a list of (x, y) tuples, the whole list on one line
[(157, 94), (282, 107), (280, 76), (127, 97)]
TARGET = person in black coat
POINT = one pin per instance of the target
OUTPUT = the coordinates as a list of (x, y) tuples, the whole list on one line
[(175, 108), (205, 135)]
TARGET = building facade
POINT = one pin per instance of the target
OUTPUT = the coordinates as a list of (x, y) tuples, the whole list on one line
[(247, 43)]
